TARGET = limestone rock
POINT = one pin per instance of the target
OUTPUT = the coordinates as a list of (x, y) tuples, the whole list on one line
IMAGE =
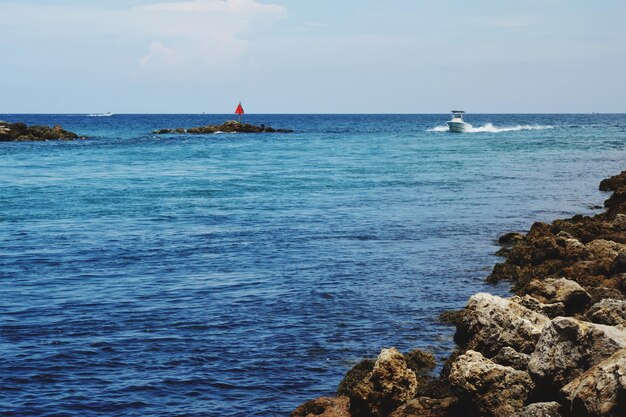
[(550, 409), (509, 357), (601, 391), (491, 323), (495, 390), (605, 250), (420, 362), (568, 347), (510, 238), (324, 407), (609, 312), (390, 384), (550, 310), (561, 290), (614, 183), (619, 223), (427, 407)]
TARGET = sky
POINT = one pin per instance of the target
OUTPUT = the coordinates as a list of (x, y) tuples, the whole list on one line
[(312, 56)]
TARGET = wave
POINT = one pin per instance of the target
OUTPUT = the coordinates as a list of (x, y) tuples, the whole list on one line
[(490, 128)]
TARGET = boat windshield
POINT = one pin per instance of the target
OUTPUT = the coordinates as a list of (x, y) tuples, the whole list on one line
[(457, 115)]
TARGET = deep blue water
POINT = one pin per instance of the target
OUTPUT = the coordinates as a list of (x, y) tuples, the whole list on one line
[(239, 275)]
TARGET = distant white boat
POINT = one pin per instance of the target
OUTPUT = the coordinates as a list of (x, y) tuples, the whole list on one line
[(107, 114), (457, 124)]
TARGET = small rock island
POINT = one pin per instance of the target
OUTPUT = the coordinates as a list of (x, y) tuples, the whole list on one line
[(231, 126), (19, 132)]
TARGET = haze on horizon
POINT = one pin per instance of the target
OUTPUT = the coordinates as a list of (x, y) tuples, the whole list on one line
[(322, 56)]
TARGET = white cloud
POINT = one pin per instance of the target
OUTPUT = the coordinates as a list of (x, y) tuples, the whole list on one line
[(172, 39)]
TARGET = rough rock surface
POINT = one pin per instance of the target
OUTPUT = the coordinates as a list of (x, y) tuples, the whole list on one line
[(494, 390), (550, 409), (492, 323), (609, 312), (228, 127), (390, 384), (324, 407), (354, 376), (428, 407), (562, 290), (601, 391), (510, 357), (568, 347), (550, 310), (19, 132)]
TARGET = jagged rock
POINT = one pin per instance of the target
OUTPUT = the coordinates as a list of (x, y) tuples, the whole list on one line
[(609, 312), (568, 347), (550, 409), (390, 384), (228, 127), (510, 357), (510, 238), (20, 132), (427, 407), (614, 183), (491, 323), (324, 407), (420, 362), (619, 264), (601, 391), (619, 223), (494, 390), (574, 249), (354, 376), (605, 250), (601, 293), (550, 310), (561, 290)]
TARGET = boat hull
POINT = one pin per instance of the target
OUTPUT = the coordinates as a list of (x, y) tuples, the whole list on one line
[(459, 127)]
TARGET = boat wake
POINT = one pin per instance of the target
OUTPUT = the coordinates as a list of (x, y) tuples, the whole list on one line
[(490, 128)]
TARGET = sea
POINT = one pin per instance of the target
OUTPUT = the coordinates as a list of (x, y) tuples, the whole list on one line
[(243, 274)]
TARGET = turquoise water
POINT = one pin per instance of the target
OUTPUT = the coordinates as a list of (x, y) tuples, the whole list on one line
[(234, 274)]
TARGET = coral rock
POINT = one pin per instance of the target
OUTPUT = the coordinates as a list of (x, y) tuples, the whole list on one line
[(550, 409), (609, 312), (561, 290)]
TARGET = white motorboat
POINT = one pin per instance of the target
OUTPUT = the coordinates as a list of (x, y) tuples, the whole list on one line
[(457, 124)]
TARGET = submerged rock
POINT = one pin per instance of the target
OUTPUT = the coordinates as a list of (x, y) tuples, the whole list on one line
[(390, 384), (324, 407), (494, 390), (19, 132), (230, 126)]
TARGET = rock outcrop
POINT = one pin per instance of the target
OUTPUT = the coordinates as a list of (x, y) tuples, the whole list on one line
[(19, 132), (324, 407), (494, 390), (390, 384), (491, 323), (601, 391), (568, 347), (230, 126)]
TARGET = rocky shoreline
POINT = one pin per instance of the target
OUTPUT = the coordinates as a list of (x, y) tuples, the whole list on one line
[(230, 126), (19, 132), (557, 348)]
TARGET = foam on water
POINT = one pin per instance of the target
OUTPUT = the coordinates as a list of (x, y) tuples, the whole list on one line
[(490, 128)]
